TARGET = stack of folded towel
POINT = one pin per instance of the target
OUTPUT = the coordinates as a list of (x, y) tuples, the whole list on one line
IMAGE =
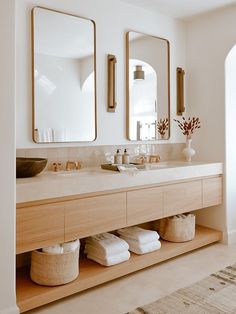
[(140, 241), (107, 249), (62, 248)]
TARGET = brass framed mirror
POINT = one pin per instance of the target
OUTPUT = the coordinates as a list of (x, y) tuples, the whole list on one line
[(64, 77), (147, 87)]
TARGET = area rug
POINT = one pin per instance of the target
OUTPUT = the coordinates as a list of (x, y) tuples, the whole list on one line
[(215, 294)]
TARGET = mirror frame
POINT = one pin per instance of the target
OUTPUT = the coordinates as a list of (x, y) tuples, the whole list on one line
[(33, 81), (127, 85)]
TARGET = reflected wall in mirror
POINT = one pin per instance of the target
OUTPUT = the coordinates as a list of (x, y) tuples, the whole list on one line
[(148, 80), (64, 77)]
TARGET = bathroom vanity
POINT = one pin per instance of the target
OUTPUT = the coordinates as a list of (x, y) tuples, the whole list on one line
[(59, 207)]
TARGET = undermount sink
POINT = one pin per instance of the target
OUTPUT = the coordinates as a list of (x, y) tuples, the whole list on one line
[(162, 165), (29, 167)]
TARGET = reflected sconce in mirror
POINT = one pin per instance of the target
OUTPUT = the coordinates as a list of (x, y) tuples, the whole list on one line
[(139, 73), (111, 60), (180, 91)]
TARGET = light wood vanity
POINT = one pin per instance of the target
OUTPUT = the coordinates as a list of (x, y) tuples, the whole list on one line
[(51, 221)]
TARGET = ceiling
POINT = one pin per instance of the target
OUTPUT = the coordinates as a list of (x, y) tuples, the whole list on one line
[(181, 8)]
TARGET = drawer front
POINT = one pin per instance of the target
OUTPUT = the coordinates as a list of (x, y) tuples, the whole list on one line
[(93, 215), (212, 191), (39, 226), (144, 205), (182, 197)]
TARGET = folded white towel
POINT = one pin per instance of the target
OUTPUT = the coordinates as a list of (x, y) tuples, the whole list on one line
[(70, 246), (137, 248), (55, 249), (96, 251), (108, 243), (113, 260), (141, 235)]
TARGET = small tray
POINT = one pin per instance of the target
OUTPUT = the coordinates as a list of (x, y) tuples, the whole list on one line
[(112, 167)]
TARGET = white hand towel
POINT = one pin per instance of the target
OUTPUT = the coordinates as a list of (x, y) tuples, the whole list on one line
[(55, 249), (143, 248), (115, 259), (96, 251), (70, 246), (108, 243), (143, 236)]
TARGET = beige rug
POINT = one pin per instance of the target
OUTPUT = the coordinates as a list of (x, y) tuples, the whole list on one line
[(215, 294)]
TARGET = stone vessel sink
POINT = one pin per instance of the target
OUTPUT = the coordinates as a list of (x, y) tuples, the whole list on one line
[(29, 167)]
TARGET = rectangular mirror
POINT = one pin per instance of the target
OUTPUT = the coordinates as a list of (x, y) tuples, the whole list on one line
[(148, 87), (64, 77)]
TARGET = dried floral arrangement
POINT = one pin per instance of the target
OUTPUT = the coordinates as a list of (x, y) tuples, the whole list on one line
[(162, 126), (187, 126)]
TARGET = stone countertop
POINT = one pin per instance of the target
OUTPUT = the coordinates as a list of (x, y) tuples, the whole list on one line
[(88, 180)]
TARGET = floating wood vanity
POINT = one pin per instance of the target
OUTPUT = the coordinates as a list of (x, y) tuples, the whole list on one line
[(48, 221)]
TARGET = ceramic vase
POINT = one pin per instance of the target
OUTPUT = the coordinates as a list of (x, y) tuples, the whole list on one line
[(188, 151)]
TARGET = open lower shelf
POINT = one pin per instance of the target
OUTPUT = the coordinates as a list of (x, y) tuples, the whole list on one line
[(31, 295)]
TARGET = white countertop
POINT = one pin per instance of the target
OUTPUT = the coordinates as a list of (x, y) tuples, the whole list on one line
[(53, 185)]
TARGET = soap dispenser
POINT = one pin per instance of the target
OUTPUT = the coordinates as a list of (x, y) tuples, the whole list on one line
[(118, 157), (125, 157)]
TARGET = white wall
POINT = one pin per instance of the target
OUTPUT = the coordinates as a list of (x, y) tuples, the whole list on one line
[(7, 159), (113, 19), (210, 37)]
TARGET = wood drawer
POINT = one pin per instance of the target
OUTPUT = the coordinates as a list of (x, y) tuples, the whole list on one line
[(182, 197), (212, 191), (144, 205), (93, 215), (39, 226)]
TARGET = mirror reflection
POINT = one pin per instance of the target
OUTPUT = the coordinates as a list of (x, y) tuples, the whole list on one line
[(148, 87), (64, 77)]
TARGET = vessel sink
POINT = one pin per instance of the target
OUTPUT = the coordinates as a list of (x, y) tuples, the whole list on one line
[(29, 167)]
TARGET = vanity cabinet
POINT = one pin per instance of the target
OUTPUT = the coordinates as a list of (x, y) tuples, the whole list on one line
[(144, 205), (212, 191), (93, 215), (50, 222), (182, 197), (39, 226)]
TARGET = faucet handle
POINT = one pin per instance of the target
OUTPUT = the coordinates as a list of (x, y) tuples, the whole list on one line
[(155, 158)]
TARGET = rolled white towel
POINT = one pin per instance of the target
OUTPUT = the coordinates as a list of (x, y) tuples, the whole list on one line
[(55, 249), (96, 251), (141, 235), (113, 260), (137, 248), (108, 243), (70, 246)]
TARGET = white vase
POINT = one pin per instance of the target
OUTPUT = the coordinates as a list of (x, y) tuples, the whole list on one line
[(188, 152)]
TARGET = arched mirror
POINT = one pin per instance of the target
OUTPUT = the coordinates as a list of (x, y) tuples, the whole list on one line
[(64, 77), (148, 104)]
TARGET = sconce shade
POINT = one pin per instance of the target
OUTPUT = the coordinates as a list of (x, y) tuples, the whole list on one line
[(139, 73)]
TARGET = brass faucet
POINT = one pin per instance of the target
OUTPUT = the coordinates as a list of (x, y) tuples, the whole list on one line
[(73, 165), (148, 159), (56, 166)]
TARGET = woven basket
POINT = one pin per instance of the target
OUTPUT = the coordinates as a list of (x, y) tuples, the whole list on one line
[(177, 229), (54, 269)]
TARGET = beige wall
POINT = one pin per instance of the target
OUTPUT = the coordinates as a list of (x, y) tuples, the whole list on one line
[(210, 38), (7, 158)]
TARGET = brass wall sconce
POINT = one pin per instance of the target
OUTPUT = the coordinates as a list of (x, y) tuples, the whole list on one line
[(180, 91), (111, 63)]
